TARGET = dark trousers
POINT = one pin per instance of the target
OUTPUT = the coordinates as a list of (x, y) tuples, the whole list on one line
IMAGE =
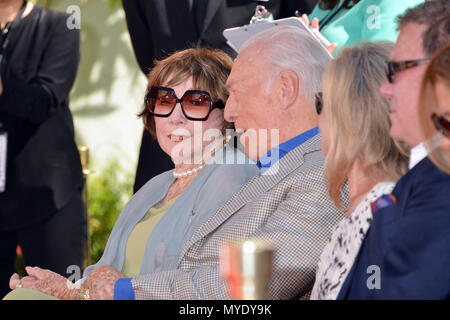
[(53, 244)]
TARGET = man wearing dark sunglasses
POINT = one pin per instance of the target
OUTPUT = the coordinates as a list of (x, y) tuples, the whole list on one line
[(408, 240), (404, 72)]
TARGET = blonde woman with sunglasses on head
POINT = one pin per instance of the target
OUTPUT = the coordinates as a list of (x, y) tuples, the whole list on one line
[(354, 123)]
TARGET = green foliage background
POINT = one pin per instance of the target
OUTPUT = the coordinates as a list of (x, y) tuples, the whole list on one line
[(108, 193), (50, 3)]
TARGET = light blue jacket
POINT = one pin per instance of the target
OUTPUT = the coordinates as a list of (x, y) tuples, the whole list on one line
[(213, 185)]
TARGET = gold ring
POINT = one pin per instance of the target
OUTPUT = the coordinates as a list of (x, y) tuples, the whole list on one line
[(19, 284)]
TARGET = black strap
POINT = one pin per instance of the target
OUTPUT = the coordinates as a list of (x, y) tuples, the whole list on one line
[(5, 32), (323, 23)]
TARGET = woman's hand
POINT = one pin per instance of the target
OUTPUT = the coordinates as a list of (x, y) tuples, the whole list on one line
[(315, 24), (100, 282), (45, 281)]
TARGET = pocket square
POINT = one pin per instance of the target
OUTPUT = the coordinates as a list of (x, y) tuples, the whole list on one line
[(382, 202)]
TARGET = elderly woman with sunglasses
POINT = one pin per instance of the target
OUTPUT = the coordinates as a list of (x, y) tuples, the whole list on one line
[(184, 111), (434, 111), (354, 123)]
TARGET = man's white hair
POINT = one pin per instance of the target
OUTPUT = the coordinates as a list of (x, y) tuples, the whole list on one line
[(289, 47)]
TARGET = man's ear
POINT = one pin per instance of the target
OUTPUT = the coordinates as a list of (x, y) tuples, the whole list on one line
[(288, 88)]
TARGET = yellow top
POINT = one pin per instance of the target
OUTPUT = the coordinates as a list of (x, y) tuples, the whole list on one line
[(137, 241)]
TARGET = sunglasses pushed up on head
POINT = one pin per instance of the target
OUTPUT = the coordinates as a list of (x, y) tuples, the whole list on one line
[(318, 102), (441, 124)]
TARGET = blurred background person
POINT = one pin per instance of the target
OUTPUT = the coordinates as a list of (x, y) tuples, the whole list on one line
[(347, 22), (162, 216), (354, 110), (434, 110), (41, 208), (159, 28)]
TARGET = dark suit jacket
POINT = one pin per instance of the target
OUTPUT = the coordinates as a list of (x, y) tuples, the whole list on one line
[(161, 27), (409, 242), (43, 165)]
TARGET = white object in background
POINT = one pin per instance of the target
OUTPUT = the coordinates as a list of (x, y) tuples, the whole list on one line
[(3, 146), (261, 15), (238, 35)]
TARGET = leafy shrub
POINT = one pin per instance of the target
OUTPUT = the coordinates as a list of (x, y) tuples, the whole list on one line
[(108, 193)]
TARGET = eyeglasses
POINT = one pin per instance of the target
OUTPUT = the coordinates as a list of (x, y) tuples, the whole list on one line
[(395, 67), (441, 124), (195, 104), (319, 102)]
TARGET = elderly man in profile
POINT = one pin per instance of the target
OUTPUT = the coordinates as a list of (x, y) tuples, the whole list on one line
[(272, 86)]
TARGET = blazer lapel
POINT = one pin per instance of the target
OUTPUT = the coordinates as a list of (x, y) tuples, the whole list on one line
[(290, 162), (237, 201), (178, 19), (255, 187), (213, 6)]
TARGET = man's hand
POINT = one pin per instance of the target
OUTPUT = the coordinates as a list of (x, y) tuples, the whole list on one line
[(100, 282), (45, 281)]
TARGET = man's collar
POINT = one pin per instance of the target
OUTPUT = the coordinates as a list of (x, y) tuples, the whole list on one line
[(278, 152), (418, 153)]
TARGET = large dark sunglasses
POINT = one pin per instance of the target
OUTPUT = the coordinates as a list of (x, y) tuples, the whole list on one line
[(318, 102), (441, 124), (395, 67), (195, 104)]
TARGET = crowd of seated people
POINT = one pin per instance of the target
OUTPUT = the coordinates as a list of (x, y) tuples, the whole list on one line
[(353, 191)]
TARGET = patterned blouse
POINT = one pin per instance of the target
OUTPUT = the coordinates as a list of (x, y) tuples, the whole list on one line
[(339, 254)]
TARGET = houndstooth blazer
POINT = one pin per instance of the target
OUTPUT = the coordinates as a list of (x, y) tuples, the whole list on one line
[(289, 206)]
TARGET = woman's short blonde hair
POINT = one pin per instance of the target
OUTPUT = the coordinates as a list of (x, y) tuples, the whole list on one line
[(209, 69), (438, 70), (358, 118)]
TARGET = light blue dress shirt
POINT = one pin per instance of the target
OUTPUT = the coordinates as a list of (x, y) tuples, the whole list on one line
[(278, 152)]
